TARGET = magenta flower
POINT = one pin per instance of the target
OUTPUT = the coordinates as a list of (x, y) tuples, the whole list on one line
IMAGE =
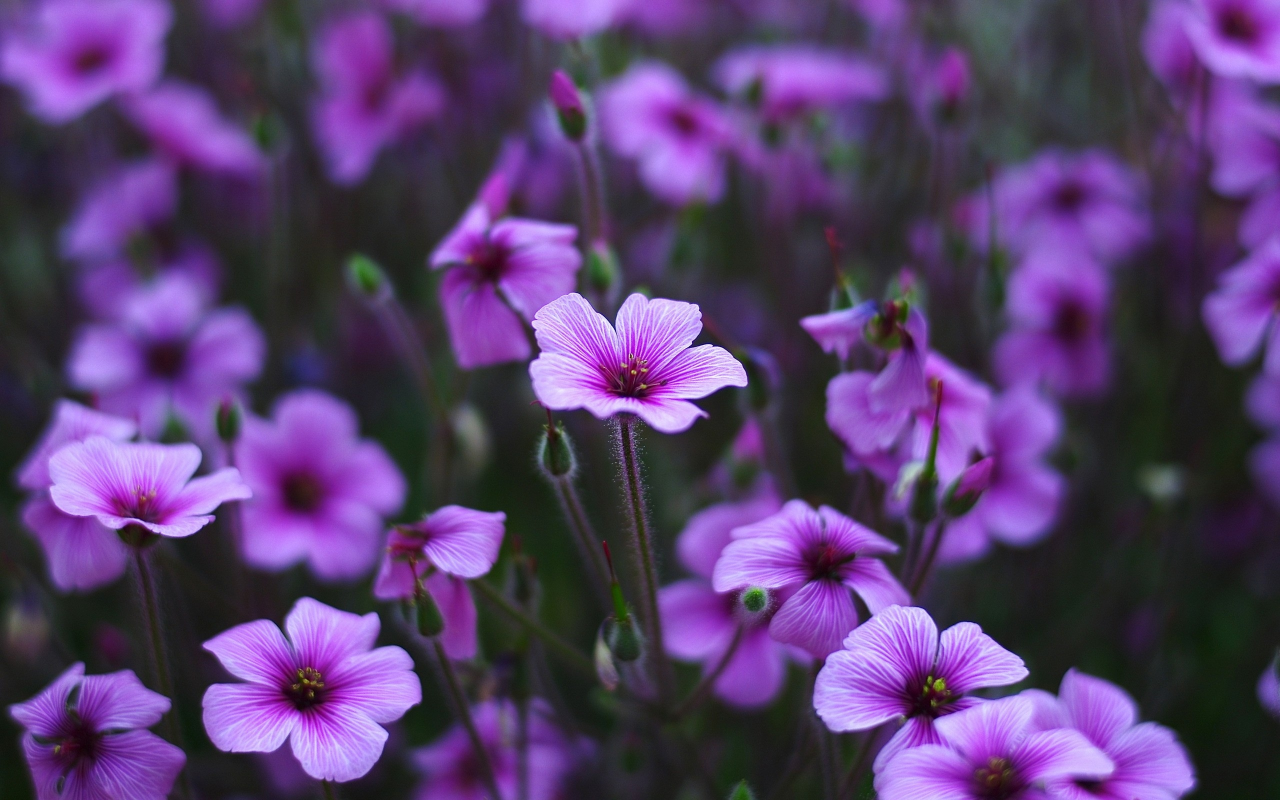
[(896, 668), (896, 329), (796, 79), (1168, 48), (133, 200), (1269, 688), (678, 137), (140, 484), (1056, 302), (700, 623), (1240, 313), (107, 288), (450, 767), (1149, 760), (325, 688), (498, 273), (183, 122), (645, 367), (571, 19), (441, 13), (840, 331), (76, 53), (167, 355), (991, 750), (81, 553), (814, 558), (1237, 38), (320, 492), (446, 548), (86, 737), (364, 105)]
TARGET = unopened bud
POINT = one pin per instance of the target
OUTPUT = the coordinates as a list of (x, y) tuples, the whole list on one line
[(227, 420), (755, 600), (568, 105), (602, 268), (430, 620), (965, 491), (555, 452), (625, 641), (742, 792), (366, 278)]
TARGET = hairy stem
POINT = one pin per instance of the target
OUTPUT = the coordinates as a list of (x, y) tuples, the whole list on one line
[(462, 708), (585, 535), (156, 653), (922, 574)]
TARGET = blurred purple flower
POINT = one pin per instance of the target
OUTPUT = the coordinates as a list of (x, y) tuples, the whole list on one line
[(840, 331), (441, 13), (991, 750), (499, 274), (666, 18), (130, 202), (86, 737), (167, 354), (364, 106), (1056, 303), (1237, 38), (1244, 135), (106, 288), (230, 13), (646, 367), (816, 558), (896, 668), (797, 79), (81, 552), (77, 53), (140, 484), (570, 19), (1269, 688), (680, 138), (1240, 313), (1168, 48), (326, 689), (320, 493), (883, 14), (183, 122), (939, 85)]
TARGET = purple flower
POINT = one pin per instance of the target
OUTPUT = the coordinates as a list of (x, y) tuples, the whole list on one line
[(796, 79), (167, 355), (1056, 302), (894, 328), (1237, 38), (82, 554), (140, 484), (325, 688), (991, 750), (840, 331), (450, 765), (86, 737), (498, 273), (1269, 688), (364, 105), (679, 138), (1240, 313), (646, 367), (1149, 761), (441, 13), (896, 667), (107, 288), (446, 548), (571, 19), (320, 492), (701, 623), (1245, 139), (230, 13), (1168, 48), (77, 53), (183, 122), (815, 558), (130, 202), (1019, 506)]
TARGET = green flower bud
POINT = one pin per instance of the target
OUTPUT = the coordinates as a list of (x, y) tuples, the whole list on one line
[(430, 620), (366, 278), (755, 599), (625, 640), (555, 452), (227, 420), (742, 792)]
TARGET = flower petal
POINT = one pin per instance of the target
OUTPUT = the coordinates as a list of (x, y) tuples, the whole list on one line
[(256, 652), (930, 772), (463, 541), (1099, 709), (1063, 753), (874, 583), (695, 619), (816, 618), (698, 372), (657, 330), (119, 700), (137, 764), (969, 659), (380, 684), (204, 494), (248, 718), (335, 746), (324, 637)]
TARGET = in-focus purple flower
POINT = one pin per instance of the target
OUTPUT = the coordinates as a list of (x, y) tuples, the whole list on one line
[(1269, 688), (679, 137), (167, 355), (1019, 506), (645, 367), (130, 202), (1168, 47), (451, 770), (320, 492), (85, 736), (140, 484), (499, 272), (797, 79), (895, 667), (816, 558), (82, 554), (570, 19), (1237, 38), (364, 105), (1149, 760), (1056, 303), (700, 623), (441, 13), (76, 53), (183, 122), (325, 688), (444, 550), (992, 750), (1240, 313)]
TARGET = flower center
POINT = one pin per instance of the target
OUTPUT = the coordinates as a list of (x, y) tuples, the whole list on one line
[(488, 260), (1069, 197), (77, 744), (307, 689), (996, 780), (1071, 322), (684, 121), (302, 492), (826, 559), (934, 697), (141, 505), (166, 359), (1237, 24), (632, 378), (92, 59)]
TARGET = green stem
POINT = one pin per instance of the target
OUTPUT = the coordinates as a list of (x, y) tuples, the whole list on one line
[(563, 649), (922, 574), (329, 793), (708, 682), (462, 708), (850, 784), (588, 542), (156, 652)]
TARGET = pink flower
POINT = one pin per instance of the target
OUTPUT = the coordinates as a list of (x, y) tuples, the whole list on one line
[(645, 367), (797, 79), (325, 688), (144, 485), (679, 137), (1168, 48), (445, 549), (1269, 688), (86, 737), (1237, 38), (1240, 314), (571, 19), (183, 121), (498, 273), (364, 106), (129, 202), (1244, 134), (441, 13), (82, 554), (815, 558), (320, 493), (77, 53)]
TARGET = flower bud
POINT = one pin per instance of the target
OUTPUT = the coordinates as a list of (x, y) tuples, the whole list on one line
[(227, 420), (367, 279), (568, 105), (606, 670), (555, 452), (430, 620), (755, 600), (602, 268), (965, 491), (924, 500), (624, 638), (742, 792)]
